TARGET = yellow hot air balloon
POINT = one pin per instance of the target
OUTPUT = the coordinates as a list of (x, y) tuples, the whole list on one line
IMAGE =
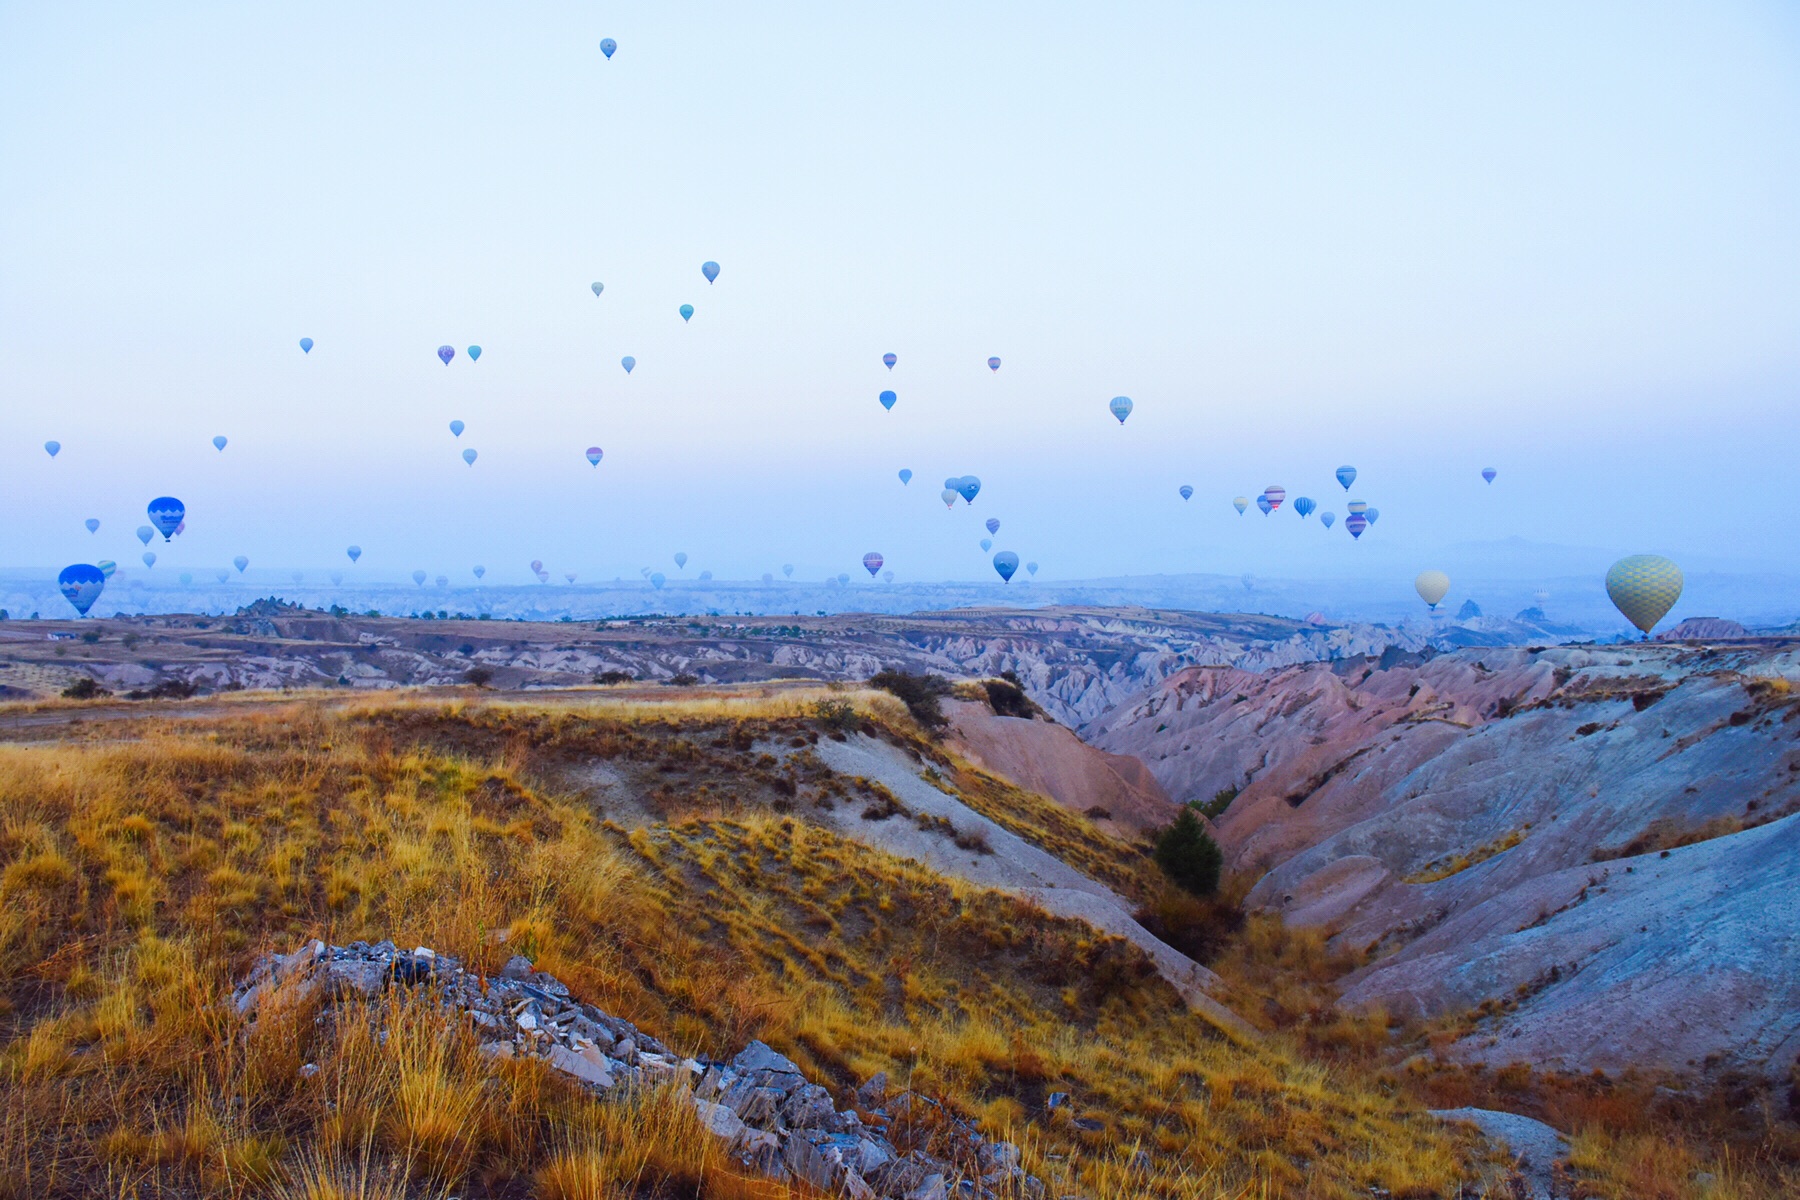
[(1644, 587), (1432, 586)]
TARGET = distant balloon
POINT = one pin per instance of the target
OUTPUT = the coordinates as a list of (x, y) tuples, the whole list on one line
[(81, 585), (1263, 503), (145, 533), (446, 353), (221, 576), (1432, 586), (607, 46), (687, 311), (1357, 507), (537, 565), (948, 496), (1120, 406), (1275, 496), (92, 524), (968, 487), (598, 287), (787, 569), (628, 362), (1031, 567), (306, 345), (569, 576), (905, 474), (872, 563), (1304, 506), (480, 571), (52, 448), (768, 577), (993, 524), (710, 270), (1187, 491), (952, 482), (149, 558), (888, 360), (843, 578), (456, 428), (1240, 503), (219, 442), (355, 552), (240, 562), (680, 559), (987, 543), (469, 456), (419, 578), (1006, 562), (1346, 476), (107, 567), (993, 364), (657, 580), (543, 577), (186, 579), (1488, 473), (474, 353), (594, 455), (1373, 515), (705, 576), (887, 400), (299, 576), (1328, 519), (1356, 523), (887, 576), (1644, 587)]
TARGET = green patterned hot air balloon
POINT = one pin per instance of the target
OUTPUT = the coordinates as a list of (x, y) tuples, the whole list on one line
[(1644, 587)]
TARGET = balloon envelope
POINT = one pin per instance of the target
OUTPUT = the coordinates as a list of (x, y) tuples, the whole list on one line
[(887, 400), (219, 442), (1240, 503), (968, 487), (657, 579), (948, 496), (687, 310), (1006, 562), (107, 567), (594, 455), (81, 585), (598, 287), (419, 578), (480, 571), (1373, 515), (456, 428), (1432, 586), (987, 543), (680, 558), (787, 569), (628, 362), (1644, 587), (1187, 491), (306, 345), (887, 576), (889, 360), (1357, 507), (1304, 506), (1488, 473), (1263, 503), (1275, 496), (905, 475), (355, 552), (1120, 407), (145, 533), (446, 353), (993, 364), (149, 558), (240, 562), (1328, 519), (92, 524), (474, 353), (1346, 476), (1356, 523), (469, 457), (52, 448), (872, 563), (537, 566), (1031, 567), (993, 524), (710, 270), (607, 46)]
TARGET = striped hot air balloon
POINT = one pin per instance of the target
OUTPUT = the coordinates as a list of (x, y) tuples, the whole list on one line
[(872, 563), (1275, 496)]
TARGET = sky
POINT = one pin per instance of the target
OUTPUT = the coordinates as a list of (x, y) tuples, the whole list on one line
[(1561, 241)]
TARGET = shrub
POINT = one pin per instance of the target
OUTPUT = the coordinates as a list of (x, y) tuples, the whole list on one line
[(479, 676), (1008, 699), (1188, 855), (837, 716), (1215, 808), (685, 679), (85, 688), (920, 693), (608, 678)]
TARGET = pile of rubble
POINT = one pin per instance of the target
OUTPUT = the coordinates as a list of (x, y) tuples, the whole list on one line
[(770, 1117)]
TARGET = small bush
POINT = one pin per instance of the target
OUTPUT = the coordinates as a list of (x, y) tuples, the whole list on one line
[(1215, 808), (1188, 855), (478, 676), (609, 678), (922, 694), (85, 688), (685, 679), (1008, 699), (839, 717)]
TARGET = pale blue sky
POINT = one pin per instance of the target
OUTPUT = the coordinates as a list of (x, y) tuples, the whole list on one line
[(1560, 240)]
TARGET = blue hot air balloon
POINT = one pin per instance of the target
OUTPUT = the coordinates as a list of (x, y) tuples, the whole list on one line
[(687, 311), (306, 345), (1240, 503), (166, 513), (107, 567), (993, 524), (1006, 562), (889, 360), (355, 552), (1120, 407), (680, 560), (657, 579), (1187, 491), (1265, 505), (787, 569), (219, 442), (968, 487), (93, 524), (186, 579), (887, 400), (594, 455), (1488, 473), (1356, 523), (474, 353), (240, 562), (1304, 506), (149, 557), (1357, 508), (1373, 515), (628, 362), (987, 543), (948, 496), (993, 364), (469, 456), (598, 287), (710, 270), (81, 585), (607, 46), (446, 353), (145, 533), (456, 428), (1031, 568), (480, 571), (1346, 476), (222, 576), (1328, 519), (52, 448), (905, 474), (419, 578)]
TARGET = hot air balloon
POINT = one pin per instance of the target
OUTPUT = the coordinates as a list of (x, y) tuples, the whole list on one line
[(537, 566), (1346, 476), (1356, 523), (1264, 503), (598, 287), (474, 353), (1357, 507), (1187, 491), (446, 353), (968, 487), (1432, 587), (480, 571), (1304, 506), (298, 576), (306, 345), (419, 578), (887, 400), (1031, 567), (607, 46), (993, 364), (1373, 515), (221, 576), (1120, 406), (92, 524), (456, 428), (905, 475), (569, 576), (145, 533), (1275, 495), (657, 580), (336, 577), (1644, 587), (843, 578), (1328, 519), (787, 569), (872, 563), (887, 576), (948, 496), (469, 456), (888, 360), (628, 362), (993, 524), (594, 454), (52, 448), (680, 559), (710, 270), (107, 567), (81, 585), (219, 442), (1488, 473), (149, 557), (1240, 503), (355, 552), (240, 562), (987, 543), (543, 577), (1006, 562), (687, 311), (768, 577)]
